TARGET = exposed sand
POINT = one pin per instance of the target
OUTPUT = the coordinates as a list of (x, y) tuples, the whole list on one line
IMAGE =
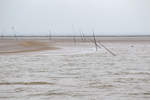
[(8, 46)]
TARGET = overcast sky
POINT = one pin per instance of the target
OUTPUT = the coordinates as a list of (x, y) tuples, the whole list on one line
[(62, 17)]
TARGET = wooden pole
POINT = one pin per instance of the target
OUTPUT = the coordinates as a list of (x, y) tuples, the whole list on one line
[(95, 42), (50, 36), (107, 49)]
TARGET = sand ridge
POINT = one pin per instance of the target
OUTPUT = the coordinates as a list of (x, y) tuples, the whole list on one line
[(20, 46)]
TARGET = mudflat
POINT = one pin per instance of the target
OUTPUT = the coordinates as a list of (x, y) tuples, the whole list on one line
[(9, 45)]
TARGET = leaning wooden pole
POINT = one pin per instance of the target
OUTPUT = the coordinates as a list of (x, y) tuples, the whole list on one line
[(107, 49)]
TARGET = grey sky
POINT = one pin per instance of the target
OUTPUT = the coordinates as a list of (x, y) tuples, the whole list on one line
[(68, 16)]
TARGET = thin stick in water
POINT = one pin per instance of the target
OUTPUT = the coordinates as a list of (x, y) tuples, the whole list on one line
[(107, 49), (50, 35), (95, 42)]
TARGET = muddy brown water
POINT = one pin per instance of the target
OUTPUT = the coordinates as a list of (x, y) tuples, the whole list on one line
[(78, 73)]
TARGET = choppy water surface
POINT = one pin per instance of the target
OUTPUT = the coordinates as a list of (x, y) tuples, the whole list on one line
[(73, 74)]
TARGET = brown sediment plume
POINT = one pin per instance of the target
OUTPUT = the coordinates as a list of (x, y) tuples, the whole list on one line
[(21, 46), (32, 44)]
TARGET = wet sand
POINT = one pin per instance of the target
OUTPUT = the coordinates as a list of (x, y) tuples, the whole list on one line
[(76, 71), (10, 46)]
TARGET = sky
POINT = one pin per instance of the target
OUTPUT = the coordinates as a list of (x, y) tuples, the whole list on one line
[(70, 17)]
